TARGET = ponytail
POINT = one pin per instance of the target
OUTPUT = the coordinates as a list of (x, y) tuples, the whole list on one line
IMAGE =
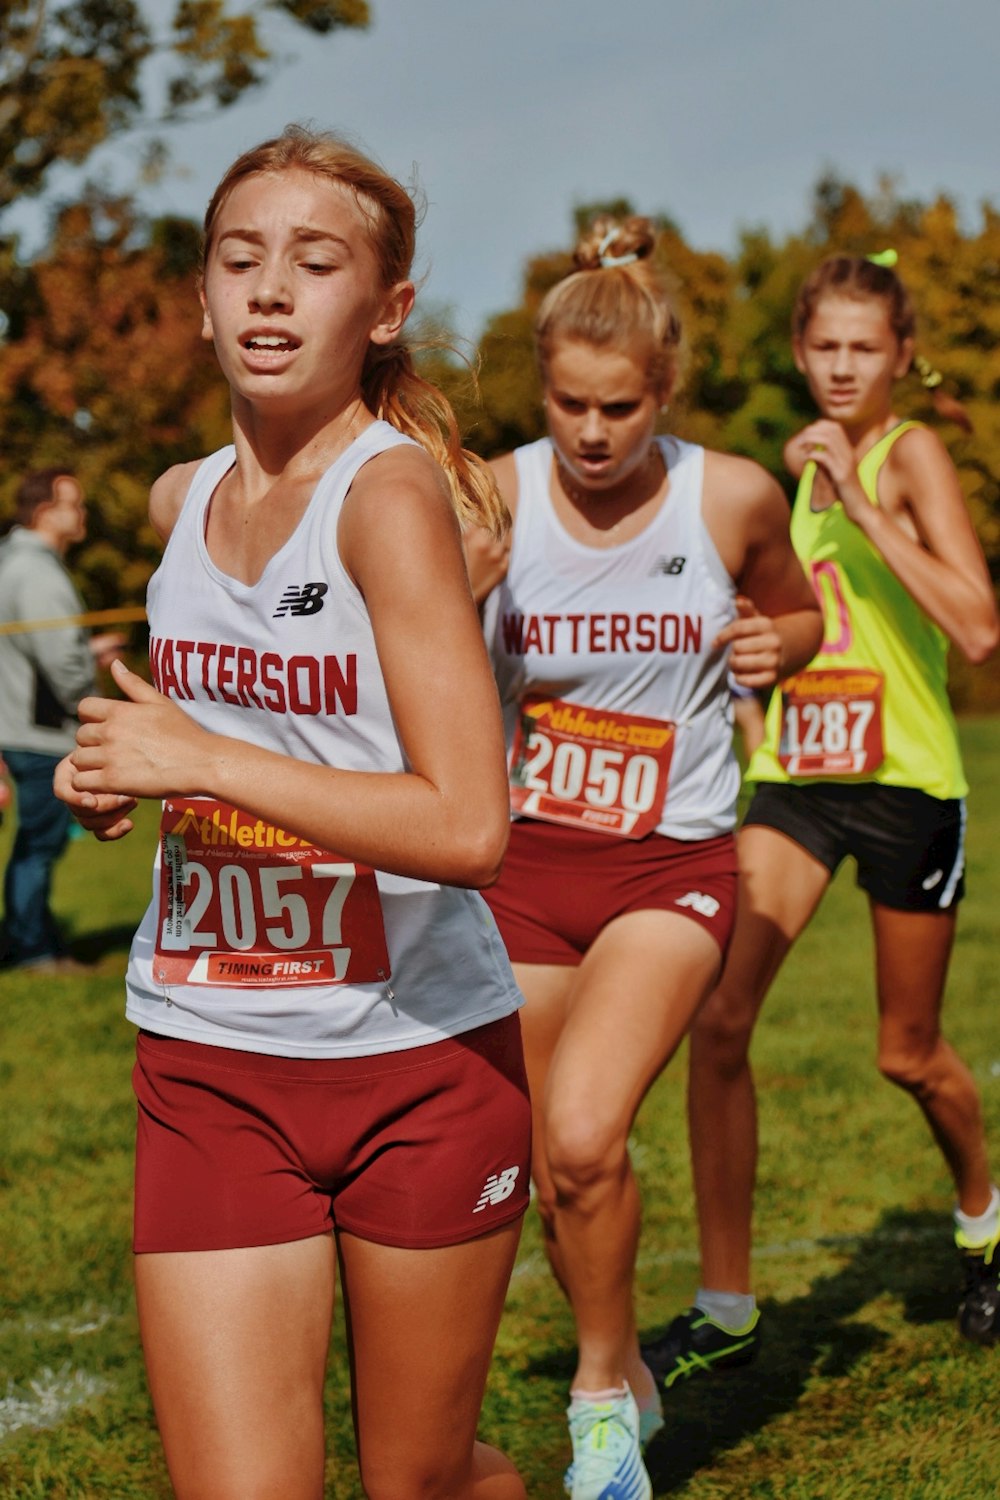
[(395, 392), (946, 406)]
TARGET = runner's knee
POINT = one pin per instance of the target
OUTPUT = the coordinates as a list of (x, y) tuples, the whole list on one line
[(911, 1063), (720, 1037), (419, 1477), (584, 1153)]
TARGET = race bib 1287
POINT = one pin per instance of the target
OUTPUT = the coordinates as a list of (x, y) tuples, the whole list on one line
[(831, 722)]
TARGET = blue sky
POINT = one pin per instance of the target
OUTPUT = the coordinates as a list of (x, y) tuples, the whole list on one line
[(722, 113)]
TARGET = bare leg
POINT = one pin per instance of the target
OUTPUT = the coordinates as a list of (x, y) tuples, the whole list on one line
[(236, 1345), (422, 1325), (548, 989), (912, 953), (595, 1039), (780, 888)]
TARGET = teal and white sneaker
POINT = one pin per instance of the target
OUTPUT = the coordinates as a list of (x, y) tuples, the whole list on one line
[(607, 1456), (650, 1423)]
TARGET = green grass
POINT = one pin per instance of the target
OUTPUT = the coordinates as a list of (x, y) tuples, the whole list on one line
[(862, 1390)]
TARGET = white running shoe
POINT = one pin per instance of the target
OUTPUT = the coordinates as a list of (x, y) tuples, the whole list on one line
[(607, 1456)]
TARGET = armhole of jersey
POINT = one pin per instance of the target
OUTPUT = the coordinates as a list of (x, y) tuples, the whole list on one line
[(684, 453), (193, 508), (879, 456), (339, 482)]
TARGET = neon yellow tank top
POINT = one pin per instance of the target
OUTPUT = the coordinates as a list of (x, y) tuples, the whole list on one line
[(873, 704)]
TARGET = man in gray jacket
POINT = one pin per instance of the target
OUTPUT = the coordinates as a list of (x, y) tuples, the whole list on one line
[(43, 675)]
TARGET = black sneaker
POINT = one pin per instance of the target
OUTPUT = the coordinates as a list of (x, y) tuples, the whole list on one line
[(979, 1309), (695, 1344)]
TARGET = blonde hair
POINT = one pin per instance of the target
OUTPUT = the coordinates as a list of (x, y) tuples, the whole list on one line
[(390, 385), (615, 296)]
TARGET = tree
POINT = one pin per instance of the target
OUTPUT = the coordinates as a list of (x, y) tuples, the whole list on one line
[(107, 372), (72, 76)]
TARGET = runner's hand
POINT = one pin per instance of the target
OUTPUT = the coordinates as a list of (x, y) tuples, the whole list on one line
[(828, 445), (105, 816), (144, 746), (754, 646)]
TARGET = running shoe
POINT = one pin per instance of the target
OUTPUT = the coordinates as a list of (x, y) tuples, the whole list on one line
[(650, 1423), (979, 1309), (695, 1344), (607, 1458)]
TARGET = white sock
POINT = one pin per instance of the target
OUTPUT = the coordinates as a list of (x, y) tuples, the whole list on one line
[(980, 1229), (731, 1310), (596, 1396)]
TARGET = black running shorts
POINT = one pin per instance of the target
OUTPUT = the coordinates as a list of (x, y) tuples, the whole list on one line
[(909, 847)]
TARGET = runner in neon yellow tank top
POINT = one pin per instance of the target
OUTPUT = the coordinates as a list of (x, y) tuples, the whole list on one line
[(860, 757), (900, 730)]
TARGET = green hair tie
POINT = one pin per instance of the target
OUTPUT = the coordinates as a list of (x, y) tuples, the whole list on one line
[(886, 258), (929, 377)]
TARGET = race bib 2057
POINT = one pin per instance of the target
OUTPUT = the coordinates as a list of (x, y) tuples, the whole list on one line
[(242, 902)]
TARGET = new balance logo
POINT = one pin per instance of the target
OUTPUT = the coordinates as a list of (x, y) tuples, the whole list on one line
[(705, 906), (306, 599), (497, 1188), (671, 565)]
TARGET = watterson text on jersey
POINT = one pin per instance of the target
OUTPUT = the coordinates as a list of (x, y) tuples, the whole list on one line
[(548, 635), (225, 673)]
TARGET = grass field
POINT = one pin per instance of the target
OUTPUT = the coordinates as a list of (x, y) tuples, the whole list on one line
[(862, 1390)]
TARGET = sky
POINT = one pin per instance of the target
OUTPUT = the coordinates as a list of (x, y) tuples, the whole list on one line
[(721, 113)]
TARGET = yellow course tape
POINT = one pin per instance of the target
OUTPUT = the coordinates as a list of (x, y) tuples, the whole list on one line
[(95, 617)]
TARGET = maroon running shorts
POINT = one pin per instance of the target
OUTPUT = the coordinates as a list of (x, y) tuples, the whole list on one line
[(560, 886), (416, 1149)]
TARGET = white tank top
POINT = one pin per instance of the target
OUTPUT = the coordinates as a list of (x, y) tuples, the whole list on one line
[(289, 663), (625, 630)]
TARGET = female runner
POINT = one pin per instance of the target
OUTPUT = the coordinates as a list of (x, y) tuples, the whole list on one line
[(861, 757), (323, 1009), (623, 603)]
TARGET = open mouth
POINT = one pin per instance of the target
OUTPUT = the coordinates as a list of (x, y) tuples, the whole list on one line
[(270, 343)]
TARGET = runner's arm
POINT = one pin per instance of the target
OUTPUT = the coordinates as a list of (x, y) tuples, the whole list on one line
[(779, 626), (945, 569), (446, 817)]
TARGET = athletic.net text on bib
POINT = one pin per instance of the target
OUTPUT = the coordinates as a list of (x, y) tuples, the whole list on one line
[(590, 768), (242, 902)]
